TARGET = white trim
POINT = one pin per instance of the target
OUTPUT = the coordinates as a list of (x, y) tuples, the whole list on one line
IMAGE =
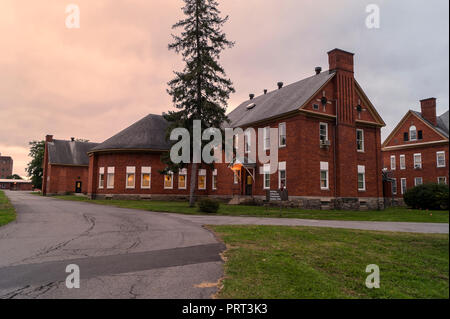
[(201, 173), (146, 170), (164, 180), (326, 130), (396, 187), (101, 170), (266, 172), (214, 179), (282, 124), (393, 167), (419, 165), (266, 132), (362, 138), (415, 181), (402, 156), (401, 185), (324, 168), (101, 173), (282, 167), (182, 172), (445, 179), (412, 128), (412, 145), (130, 170), (437, 159), (362, 171), (111, 172)]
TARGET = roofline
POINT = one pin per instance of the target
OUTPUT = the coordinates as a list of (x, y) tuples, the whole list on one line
[(317, 114), (369, 123), (372, 108), (318, 90), (268, 119), (124, 150), (403, 146), (77, 165)]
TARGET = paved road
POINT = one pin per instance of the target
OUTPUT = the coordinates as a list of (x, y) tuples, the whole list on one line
[(125, 253)]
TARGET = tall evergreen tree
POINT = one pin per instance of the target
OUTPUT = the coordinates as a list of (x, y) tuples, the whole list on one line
[(202, 89)]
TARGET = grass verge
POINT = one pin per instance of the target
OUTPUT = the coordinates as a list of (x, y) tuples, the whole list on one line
[(7, 212), (307, 262), (392, 214)]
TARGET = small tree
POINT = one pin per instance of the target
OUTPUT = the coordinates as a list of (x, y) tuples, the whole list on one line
[(13, 176), (34, 168), (201, 90)]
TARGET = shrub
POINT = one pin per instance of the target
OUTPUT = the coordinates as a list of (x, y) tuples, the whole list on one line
[(427, 196), (207, 205)]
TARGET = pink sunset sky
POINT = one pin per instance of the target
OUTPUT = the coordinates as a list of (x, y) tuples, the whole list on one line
[(94, 81)]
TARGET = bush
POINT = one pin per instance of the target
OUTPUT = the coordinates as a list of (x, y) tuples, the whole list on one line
[(207, 205), (427, 196)]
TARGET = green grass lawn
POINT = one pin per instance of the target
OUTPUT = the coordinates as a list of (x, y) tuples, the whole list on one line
[(308, 262), (391, 214), (7, 212)]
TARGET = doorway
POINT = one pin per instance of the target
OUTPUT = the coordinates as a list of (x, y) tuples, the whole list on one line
[(78, 187), (249, 182)]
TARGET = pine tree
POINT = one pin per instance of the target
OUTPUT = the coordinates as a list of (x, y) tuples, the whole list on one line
[(201, 90)]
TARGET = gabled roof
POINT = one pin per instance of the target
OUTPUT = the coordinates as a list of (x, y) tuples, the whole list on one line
[(69, 152), (285, 100), (441, 128), (147, 134)]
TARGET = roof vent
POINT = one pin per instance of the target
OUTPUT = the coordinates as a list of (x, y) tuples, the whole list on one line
[(250, 106), (72, 139), (318, 69), (252, 96), (265, 91), (280, 85)]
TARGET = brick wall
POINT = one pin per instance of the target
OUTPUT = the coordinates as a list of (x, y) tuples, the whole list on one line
[(6, 166)]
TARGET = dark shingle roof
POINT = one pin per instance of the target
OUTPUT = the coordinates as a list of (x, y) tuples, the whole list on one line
[(147, 134), (285, 100), (69, 152), (442, 122)]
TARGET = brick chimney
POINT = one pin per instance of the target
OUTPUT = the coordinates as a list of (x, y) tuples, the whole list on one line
[(428, 107), (49, 138), (340, 60)]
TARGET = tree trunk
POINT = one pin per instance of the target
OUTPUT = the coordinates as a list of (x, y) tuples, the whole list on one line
[(192, 185)]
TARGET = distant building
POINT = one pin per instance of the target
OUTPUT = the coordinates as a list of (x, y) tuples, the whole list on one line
[(16, 184), (416, 152), (6, 166), (65, 166)]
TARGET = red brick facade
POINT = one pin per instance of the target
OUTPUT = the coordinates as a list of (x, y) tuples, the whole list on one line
[(6, 166)]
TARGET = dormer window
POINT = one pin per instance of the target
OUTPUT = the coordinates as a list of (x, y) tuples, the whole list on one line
[(412, 133)]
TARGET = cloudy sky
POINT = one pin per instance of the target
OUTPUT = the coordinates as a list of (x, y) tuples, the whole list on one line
[(93, 81)]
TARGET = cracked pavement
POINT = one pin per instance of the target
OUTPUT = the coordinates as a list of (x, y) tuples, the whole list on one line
[(122, 253)]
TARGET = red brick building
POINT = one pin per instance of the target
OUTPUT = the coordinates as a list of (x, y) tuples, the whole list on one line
[(16, 184), (329, 148), (416, 152), (66, 166), (6, 166)]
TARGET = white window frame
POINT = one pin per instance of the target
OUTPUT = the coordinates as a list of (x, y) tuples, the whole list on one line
[(394, 186), (402, 157), (101, 178), (437, 158), (146, 170), (362, 140), (444, 178), (324, 168), (247, 142), (326, 131), (169, 173), (201, 172), (266, 172), (267, 138), (214, 180), (415, 181), (405, 188), (182, 172), (362, 171), (393, 163), (412, 128), (282, 167), (281, 127), (111, 172), (419, 163), (130, 170)]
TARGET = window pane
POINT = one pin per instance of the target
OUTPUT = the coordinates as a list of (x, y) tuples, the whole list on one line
[(168, 181), (145, 180), (130, 180), (201, 182), (182, 181)]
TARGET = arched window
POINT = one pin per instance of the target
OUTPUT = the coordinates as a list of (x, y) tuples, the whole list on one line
[(412, 133)]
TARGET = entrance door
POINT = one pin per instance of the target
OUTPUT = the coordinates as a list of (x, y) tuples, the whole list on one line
[(78, 187), (249, 184)]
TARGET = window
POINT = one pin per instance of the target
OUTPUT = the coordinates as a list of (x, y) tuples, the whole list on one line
[(440, 159), (146, 174), (202, 179), (405, 136), (412, 133), (316, 107), (402, 162), (394, 186), (131, 177), (266, 180), (393, 162), (418, 160), (282, 175), (236, 176), (267, 138), (324, 176), (419, 135), (360, 140), (282, 134), (247, 142), (168, 180), (101, 177), (442, 180), (110, 181), (214, 179), (182, 178), (403, 184), (361, 178), (418, 181), (323, 131)]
